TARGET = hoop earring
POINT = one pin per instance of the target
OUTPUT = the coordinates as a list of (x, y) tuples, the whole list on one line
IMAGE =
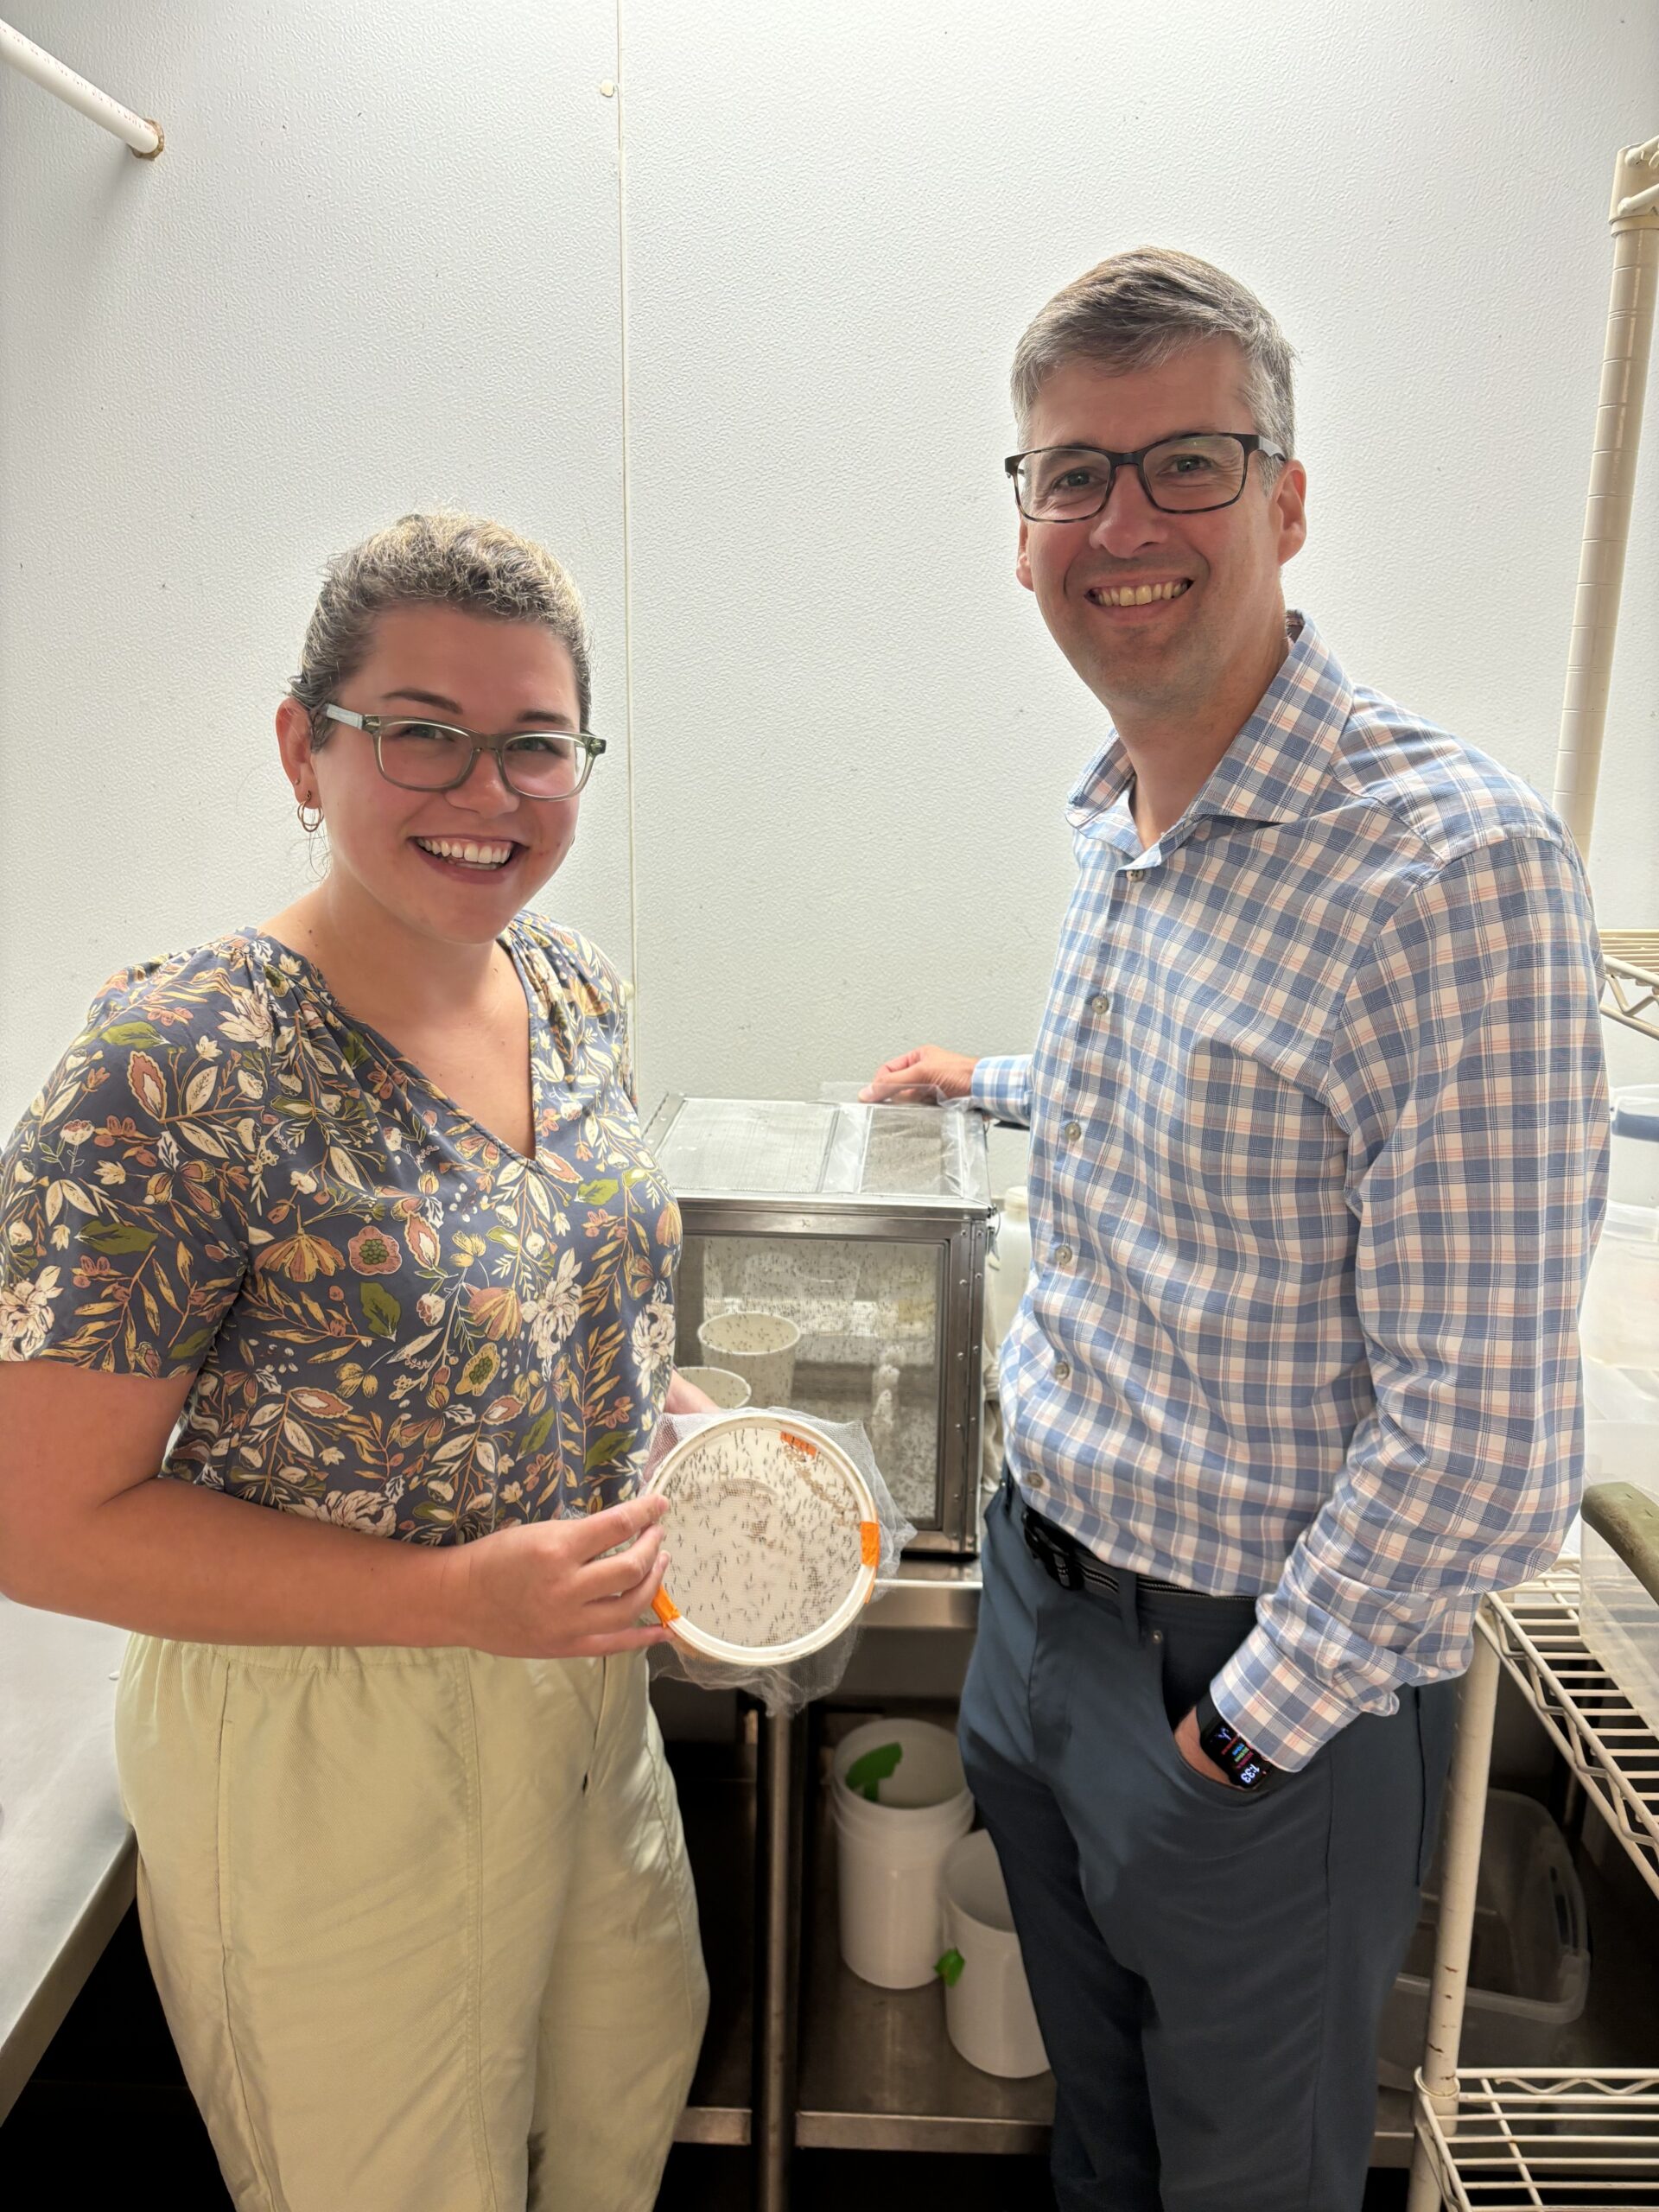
[(305, 807)]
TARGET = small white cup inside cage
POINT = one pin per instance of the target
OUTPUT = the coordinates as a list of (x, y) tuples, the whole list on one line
[(772, 1539), (761, 1347), (729, 1391)]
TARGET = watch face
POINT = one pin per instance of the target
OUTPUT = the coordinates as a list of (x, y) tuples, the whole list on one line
[(1230, 1752)]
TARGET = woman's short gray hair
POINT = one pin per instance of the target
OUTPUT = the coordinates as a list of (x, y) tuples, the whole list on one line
[(1138, 310), (441, 559)]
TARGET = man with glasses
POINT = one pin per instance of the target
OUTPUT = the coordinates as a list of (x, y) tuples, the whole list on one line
[(1317, 1159)]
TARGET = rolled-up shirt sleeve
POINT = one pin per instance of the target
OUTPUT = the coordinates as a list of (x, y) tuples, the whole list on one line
[(1467, 1074), (1001, 1085)]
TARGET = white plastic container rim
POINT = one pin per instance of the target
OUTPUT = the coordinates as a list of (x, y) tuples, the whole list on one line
[(686, 1631), (933, 1816), (711, 1381)]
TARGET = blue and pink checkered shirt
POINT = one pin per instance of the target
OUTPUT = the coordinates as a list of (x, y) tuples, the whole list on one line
[(1318, 1151)]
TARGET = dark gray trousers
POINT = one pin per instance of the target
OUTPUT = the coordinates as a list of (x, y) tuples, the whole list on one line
[(1208, 1966)]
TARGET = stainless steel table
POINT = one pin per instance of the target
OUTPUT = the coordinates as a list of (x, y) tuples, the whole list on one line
[(67, 1855), (836, 2064)]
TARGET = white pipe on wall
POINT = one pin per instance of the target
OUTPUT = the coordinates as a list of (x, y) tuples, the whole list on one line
[(1634, 219), (143, 136)]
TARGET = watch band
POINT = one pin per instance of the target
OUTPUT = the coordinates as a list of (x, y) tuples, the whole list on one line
[(1240, 1761)]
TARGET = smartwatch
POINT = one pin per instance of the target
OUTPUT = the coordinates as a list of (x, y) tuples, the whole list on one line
[(1242, 1763)]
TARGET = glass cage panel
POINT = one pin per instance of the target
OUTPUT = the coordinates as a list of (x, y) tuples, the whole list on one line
[(871, 1315)]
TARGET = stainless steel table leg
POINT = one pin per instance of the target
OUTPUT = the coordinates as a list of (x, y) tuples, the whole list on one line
[(779, 1832)]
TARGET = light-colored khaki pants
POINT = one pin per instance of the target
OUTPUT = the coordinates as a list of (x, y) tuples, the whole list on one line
[(422, 1923)]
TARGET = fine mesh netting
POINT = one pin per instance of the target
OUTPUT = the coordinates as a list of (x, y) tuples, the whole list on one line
[(771, 1536)]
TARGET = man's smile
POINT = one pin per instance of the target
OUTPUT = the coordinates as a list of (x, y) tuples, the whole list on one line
[(1138, 593)]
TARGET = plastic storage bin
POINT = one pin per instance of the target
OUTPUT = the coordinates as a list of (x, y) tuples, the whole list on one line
[(1619, 1618), (1635, 1145), (1530, 1966), (1618, 1322), (1618, 1334), (1621, 1445)]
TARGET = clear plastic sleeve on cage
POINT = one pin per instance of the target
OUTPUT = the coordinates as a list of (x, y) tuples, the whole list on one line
[(823, 1147)]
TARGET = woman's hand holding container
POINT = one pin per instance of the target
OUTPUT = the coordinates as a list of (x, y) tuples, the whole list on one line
[(571, 1589)]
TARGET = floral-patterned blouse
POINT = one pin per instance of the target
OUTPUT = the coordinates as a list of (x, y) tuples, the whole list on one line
[(396, 1322)]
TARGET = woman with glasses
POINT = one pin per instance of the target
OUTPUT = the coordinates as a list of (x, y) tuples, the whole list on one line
[(357, 1197)]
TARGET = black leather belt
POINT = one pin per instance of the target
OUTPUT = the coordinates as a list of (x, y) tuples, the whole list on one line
[(1064, 1561)]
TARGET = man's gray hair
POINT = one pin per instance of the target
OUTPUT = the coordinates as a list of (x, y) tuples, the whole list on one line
[(441, 559), (1137, 310)]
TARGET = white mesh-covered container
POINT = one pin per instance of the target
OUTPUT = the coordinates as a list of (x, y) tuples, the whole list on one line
[(773, 1539)]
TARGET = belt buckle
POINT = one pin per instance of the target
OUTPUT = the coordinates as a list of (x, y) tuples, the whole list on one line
[(1054, 1551)]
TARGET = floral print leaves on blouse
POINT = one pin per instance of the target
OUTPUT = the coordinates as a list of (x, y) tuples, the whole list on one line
[(396, 1322)]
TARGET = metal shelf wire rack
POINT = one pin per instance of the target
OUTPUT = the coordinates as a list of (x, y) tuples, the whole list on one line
[(1560, 2138), (1609, 1746), (1630, 991), (1555, 2138)]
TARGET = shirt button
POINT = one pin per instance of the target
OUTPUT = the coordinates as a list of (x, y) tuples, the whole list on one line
[(1101, 1002), (1062, 1371), (1072, 1131), (1035, 1482), (1062, 1256)]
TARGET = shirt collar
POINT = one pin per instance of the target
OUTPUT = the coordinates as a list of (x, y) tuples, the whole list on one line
[(1272, 769)]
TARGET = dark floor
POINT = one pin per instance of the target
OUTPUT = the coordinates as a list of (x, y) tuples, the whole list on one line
[(700, 2180), (107, 2113)]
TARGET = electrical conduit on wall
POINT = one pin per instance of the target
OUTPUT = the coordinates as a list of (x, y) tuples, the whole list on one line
[(615, 91)]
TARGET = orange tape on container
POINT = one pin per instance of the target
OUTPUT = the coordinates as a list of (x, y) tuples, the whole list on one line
[(869, 1543), (665, 1608)]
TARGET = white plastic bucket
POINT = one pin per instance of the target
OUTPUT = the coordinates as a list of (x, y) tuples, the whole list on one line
[(759, 1347), (890, 1849), (1008, 1269), (988, 2009)]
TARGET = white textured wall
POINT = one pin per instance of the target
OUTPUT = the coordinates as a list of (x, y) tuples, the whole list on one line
[(375, 267), (378, 264)]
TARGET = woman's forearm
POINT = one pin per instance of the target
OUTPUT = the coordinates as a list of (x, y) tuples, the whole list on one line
[(171, 1558)]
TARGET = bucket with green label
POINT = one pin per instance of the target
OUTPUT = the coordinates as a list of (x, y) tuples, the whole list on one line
[(987, 2010), (900, 1800)]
